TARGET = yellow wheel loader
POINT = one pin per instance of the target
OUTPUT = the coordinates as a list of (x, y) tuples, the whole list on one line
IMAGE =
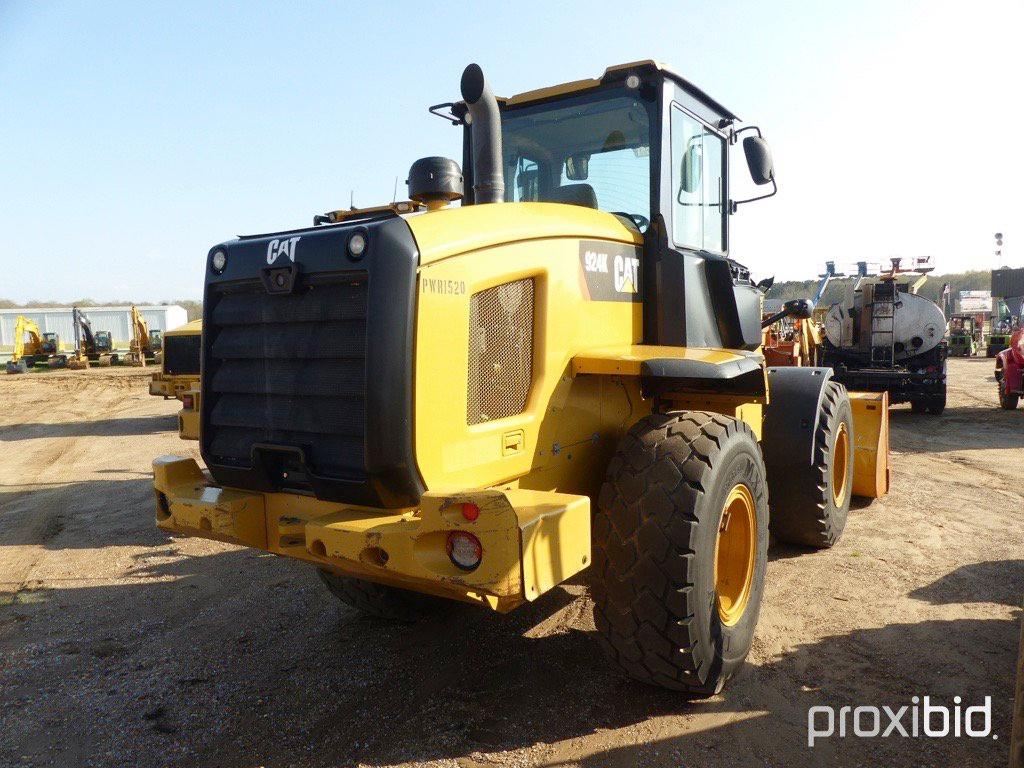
[(562, 373), (179, 361)]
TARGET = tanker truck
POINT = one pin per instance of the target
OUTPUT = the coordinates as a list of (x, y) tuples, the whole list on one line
[(886, 338)]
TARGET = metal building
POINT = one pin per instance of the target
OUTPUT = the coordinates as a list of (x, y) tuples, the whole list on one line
[(117, 320)]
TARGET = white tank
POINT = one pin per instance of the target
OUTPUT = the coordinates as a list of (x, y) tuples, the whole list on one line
[(919, 327)]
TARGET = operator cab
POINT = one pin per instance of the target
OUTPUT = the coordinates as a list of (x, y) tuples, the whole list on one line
[(648, 146), (51, 343)]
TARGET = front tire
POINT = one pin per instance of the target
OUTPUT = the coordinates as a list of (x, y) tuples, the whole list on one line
[(810, 505), (680, 550)]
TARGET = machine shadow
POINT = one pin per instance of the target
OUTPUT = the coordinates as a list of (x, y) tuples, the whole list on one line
[(238, 658), (126, 427), (994, 581), (82, 515)]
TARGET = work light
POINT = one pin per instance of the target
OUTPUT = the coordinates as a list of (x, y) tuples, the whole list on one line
[(357, 245), (219, 261)]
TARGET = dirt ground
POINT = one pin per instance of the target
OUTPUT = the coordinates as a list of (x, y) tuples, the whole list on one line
[(122, 646)]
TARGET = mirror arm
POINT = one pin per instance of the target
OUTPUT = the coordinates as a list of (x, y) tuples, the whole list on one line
[(734, 136), (773, 319), (734, 204)]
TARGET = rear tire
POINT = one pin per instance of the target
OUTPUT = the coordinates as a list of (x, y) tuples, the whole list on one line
[(380, 600), (810, 507), (935, 404), (676, 599)]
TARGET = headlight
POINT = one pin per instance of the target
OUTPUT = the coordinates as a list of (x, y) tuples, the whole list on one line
[(357, 245), (219, 261)]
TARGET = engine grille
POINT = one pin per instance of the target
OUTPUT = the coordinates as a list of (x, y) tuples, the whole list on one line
[(289, 370), (500, 351), (181, 355)]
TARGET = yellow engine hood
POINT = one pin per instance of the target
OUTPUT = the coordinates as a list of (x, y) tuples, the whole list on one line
[(452, 231)]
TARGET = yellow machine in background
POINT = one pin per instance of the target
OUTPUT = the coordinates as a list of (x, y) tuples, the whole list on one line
[(188, 416), (479, 402), (25, 352), (179, 362), (141, 347), (794, 343)]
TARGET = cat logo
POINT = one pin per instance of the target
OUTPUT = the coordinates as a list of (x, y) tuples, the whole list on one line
[(625, 273), (609, 271), (285, 247)]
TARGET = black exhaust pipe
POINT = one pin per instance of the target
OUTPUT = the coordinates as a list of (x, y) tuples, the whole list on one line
[(485, 123)]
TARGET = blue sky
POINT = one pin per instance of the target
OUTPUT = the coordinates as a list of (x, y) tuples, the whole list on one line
[(133, 136)]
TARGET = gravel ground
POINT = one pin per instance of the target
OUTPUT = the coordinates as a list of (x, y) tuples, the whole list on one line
[(122, 646)]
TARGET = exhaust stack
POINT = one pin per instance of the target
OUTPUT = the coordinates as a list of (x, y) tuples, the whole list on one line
[(485, 123)]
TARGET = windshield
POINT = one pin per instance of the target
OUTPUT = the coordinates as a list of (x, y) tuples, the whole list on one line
[(591, 150)]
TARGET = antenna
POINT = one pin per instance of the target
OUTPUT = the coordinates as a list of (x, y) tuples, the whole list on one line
[(394, 195), (351, 199)]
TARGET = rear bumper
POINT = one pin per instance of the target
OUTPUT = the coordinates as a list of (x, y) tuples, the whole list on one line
[(531, 540), (171, 386), (188, 424)]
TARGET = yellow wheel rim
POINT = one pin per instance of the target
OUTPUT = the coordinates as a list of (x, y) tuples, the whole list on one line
[(840, 465), (735, 554)]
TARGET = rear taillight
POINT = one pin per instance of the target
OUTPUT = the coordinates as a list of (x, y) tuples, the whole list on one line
[(464, 550), (470, 511), (188, 402)]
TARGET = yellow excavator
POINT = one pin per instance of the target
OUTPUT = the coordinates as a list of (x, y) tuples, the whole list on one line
[(564, 372), (26, 352), (142, 347)]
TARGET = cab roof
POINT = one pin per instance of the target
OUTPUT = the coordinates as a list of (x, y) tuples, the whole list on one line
[(191, 328), (613, 73)]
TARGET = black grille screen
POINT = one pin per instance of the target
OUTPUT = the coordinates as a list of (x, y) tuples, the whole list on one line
[(181, 355), (289, 370)]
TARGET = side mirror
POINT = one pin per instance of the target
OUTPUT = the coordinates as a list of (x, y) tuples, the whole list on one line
[(691, 169), (759, 159), (577, 167), (759, 163), (801, 309), (765, 285)]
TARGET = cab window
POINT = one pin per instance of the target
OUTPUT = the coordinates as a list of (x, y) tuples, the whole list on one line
[(698, 207), (591, 150)]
